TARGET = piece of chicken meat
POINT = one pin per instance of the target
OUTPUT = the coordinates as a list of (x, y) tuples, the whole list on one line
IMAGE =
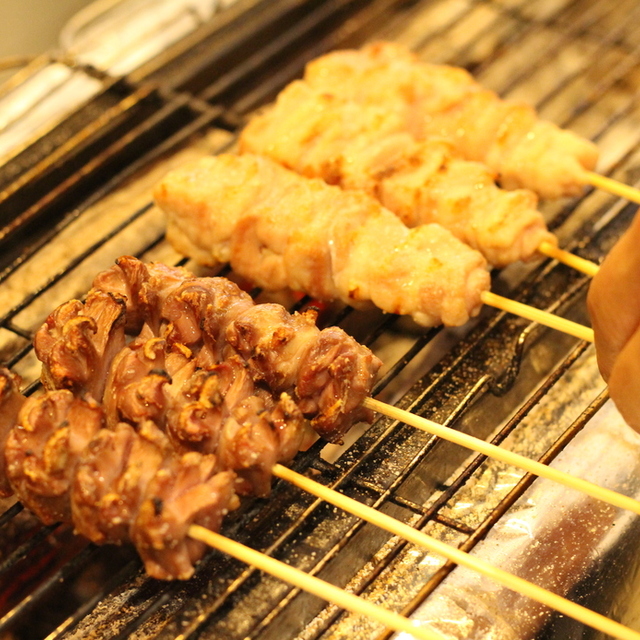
[(446, 102), (367, 147), (11, 401), (42, 450), (131, 485), (282, 230)]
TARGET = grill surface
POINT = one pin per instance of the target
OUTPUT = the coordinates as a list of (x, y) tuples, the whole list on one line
[(68, 209)]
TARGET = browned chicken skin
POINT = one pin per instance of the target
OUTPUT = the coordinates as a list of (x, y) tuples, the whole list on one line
[(11, 401), (131, 484), (78, 341), (138, 443), (42, 450)]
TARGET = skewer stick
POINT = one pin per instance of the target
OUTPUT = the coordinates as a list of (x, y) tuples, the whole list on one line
[(548, 598), (316, 586), (612, 186), (537, 315), (504, 455), (571, 260)]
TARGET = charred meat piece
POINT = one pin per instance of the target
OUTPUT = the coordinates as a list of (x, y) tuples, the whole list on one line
[(201, 401), (141, 440), (78, 341), (134, 389), (184, 310), (42, 450), (223, 411), (111, 479), (11, 401), (333, 380), (194, 405), (142, 286), (273, 342), (327, 371), (198, 312), (212, 346), (249, 446), (186, 490), (131, 485), (258, 434)]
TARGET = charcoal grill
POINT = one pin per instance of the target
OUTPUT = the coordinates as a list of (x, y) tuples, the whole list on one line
[(77, 194)]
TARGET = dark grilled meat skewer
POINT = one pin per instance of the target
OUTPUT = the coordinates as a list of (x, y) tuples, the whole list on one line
[(138, 442)]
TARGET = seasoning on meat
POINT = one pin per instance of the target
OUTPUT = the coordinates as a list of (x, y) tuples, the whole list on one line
[(367, 147), (203, 322), (131, 485), (42, 450), (446, 102), (135, 441), (282, 230), (78, 341)]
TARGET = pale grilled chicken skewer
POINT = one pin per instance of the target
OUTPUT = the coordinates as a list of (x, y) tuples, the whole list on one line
[(446, 102), (367, 147), (281, 230)]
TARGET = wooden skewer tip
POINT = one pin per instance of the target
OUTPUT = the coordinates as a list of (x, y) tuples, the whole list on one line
[(570, 259), (356, 604), (504, 455), (537, 315), (612, 186)]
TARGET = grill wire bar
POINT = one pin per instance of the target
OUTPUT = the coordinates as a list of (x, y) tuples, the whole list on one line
[(383, 468)]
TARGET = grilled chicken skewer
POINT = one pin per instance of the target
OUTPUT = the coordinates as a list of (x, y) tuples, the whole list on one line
[(166, 397), (283, 231), (279, 230), (128, 483), (446, 102), (111, 469), (367, 147)]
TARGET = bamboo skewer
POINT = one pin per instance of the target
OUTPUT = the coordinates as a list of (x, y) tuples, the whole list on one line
[(504, 455), (395, 621), (571, 260), (612, 186), (576, 611), (316, 586), (537, 315)]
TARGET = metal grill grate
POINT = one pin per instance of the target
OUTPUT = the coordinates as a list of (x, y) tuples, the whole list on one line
[(67, 211)]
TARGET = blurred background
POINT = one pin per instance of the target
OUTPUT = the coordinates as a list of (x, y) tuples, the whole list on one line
[(29, 27)]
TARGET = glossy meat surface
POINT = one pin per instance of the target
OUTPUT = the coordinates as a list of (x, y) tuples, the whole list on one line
[(367, 147), (442, 101), (282, 230), (43, 448), (11, 401), (200, 393)]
